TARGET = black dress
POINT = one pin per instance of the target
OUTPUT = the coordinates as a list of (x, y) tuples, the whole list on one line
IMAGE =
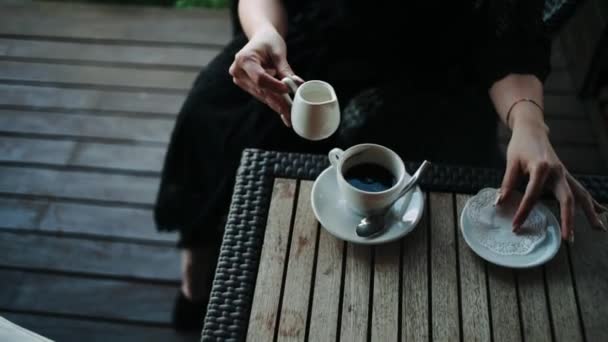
[(413, 77)]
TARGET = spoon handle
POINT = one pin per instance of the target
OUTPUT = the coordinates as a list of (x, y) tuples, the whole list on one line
[(414, 180)]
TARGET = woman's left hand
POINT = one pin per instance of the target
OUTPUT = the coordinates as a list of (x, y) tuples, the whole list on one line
[(530, 153)]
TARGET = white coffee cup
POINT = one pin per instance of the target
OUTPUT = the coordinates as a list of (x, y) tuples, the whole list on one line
[(366, 202), (315, 112)]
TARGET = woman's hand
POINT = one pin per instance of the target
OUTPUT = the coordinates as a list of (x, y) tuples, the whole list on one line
[(530, 153), (257, 66)]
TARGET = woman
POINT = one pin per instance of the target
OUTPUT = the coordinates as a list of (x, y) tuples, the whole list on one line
[(427, 80)]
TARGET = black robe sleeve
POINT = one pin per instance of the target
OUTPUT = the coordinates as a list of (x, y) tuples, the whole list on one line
[(513, 39)]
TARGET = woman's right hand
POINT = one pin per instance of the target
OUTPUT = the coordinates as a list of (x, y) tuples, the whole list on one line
[(258, 68)]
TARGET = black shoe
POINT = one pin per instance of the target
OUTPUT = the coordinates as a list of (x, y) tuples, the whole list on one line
[(188, 315)]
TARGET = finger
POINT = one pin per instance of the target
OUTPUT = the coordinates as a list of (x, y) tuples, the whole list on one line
[(277, 107), (533, 191), (246, 84), (283, 67), (587, 203), (262, 79), (509, 181), (566, 203)]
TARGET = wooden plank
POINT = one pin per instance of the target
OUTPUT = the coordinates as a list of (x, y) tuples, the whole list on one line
[(33, 150), (130, 223), (444, 278), (355, 301), (562, 131), (503, 302), (88, 126), (265, 305), (68, 329), (132, 102), (473, 291), (326, 298), (415, 291), (78, 185), (101, 298), (74, 20), (132, 158), (560, 290), (385, 309), (589, 255), (81, 219), (21, 213), (60, 152), (88, 256), (97, 75), (533, 304), (298, 280), (100, 53)]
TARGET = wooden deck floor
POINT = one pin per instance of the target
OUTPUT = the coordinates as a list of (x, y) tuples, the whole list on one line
[(88, 96)]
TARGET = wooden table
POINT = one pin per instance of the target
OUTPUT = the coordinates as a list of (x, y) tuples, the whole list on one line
[(427, 286)]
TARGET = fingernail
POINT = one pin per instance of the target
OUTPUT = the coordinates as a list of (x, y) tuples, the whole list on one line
[(498, 197), (571, 238), (516, 227)]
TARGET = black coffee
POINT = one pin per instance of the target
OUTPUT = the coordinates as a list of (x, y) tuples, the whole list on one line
[(370, 177)]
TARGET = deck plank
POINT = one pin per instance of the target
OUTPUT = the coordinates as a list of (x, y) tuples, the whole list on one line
[(300, 264), (266, 301), (34, 150), (139, 23), (104, 222), (117, 259), (473, 290), (137, 190), (385, 308), (17, 214), (74, 330), (108, 54), (100, 298), (107, 76), (444, 278), (127, 129), (106, 100)]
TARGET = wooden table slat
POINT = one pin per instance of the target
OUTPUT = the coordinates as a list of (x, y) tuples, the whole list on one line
[(473, 289), (562, 299), (415, 289), (298, 279), (265, 305), (355, 303), (444, 279), (533, 305), (385, 308), (589, 255), (503, 303), (328, 280)]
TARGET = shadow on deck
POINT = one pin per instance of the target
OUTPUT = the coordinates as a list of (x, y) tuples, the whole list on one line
[(88, 96)]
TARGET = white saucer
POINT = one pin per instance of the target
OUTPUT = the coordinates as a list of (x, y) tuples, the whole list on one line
[(340, 221), (541, 253)]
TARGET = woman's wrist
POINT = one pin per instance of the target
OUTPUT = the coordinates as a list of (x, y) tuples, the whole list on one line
[(527, 116)]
